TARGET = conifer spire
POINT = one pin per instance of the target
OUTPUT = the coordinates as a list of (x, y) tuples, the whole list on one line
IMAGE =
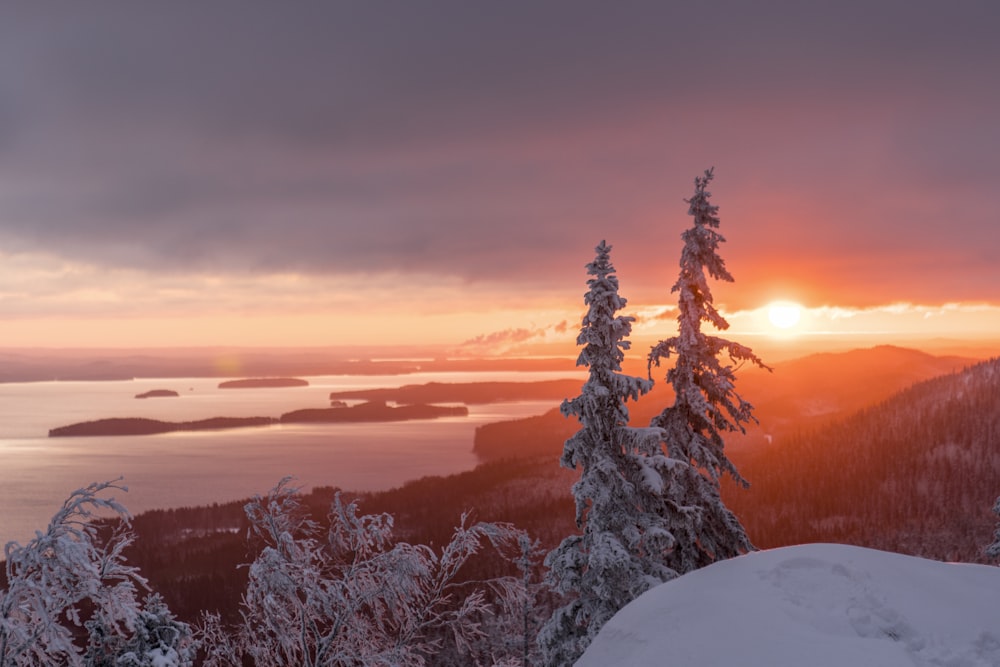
[(706, 405)]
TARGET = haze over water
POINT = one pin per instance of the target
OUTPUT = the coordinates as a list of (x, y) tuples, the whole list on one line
[(198, 468)]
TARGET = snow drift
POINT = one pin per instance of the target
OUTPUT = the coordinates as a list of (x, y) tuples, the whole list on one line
[(822, 605)]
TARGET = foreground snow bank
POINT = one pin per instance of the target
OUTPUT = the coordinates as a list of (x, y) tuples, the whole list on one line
[(822, 605)]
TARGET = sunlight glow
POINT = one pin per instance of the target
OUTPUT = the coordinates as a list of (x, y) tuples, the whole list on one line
[(784, 314)]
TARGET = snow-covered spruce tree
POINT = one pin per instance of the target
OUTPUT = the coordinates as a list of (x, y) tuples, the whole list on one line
[(70, 582), (354, 596), (620, 552), (706, 405)]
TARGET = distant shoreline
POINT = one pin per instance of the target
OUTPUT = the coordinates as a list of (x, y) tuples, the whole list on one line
[(37, 365), (27, 364)]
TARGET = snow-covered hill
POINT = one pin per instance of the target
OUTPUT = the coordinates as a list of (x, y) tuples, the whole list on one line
[(815, 605)]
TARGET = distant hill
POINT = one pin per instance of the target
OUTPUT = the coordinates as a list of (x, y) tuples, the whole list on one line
[(43, 364), (823, 386), (916, 473), (797, 394)]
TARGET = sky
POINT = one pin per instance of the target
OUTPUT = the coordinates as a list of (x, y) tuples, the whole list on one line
[(314, 173)]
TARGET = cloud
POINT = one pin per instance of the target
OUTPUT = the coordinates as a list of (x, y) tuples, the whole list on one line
[(497, 144), (499, 342), (656, 314), (894, 323)]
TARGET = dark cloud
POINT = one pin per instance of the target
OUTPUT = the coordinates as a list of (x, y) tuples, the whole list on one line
[(499, 141)]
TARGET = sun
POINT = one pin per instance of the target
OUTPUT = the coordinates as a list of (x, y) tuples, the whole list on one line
[(784, 314)]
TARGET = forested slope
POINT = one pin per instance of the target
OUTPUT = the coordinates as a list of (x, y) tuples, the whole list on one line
[(193, 555), (916, 473)]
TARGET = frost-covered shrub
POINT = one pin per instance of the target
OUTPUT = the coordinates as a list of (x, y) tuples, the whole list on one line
[(351, 595), (70, 583)]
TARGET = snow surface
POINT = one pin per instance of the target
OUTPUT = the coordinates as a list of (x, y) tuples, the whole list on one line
[(821, 605)]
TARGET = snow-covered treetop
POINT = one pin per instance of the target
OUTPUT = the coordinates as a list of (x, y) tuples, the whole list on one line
[(700, 253), (706, 403), (603, 334), (604, 339)]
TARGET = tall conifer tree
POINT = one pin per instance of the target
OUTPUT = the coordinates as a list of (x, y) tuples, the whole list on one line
[(614, 559), (706, 405)]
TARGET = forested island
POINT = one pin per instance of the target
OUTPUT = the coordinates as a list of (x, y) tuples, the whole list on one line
[(142, 426), (158, 393), (340, 412), (411, 402), (373, 411), (263, 383)]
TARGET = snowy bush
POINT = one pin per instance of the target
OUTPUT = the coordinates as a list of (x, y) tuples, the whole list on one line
[(71, 582), (353, 596)]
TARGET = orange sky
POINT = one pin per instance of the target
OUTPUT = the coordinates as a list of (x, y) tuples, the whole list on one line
[(440, 176)]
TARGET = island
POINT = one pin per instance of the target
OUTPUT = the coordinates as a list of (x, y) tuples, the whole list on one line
[(373, 411), (142, 426), (263, 383), (470, 393), (158, 393)]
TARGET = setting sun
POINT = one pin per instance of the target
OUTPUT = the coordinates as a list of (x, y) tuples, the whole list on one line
[(784, 314)]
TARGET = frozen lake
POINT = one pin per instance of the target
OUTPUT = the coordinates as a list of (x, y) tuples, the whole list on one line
[(198, 468)]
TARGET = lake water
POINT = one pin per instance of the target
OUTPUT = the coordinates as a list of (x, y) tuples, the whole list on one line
[(185, 469)]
